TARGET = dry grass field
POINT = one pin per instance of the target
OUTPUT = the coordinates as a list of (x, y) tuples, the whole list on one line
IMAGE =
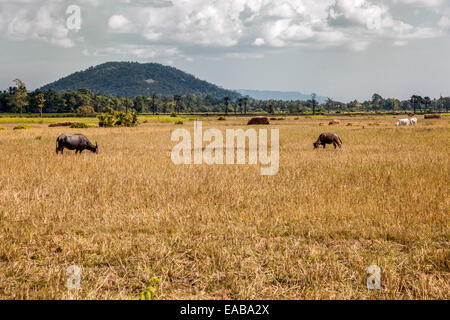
[(129, 214)]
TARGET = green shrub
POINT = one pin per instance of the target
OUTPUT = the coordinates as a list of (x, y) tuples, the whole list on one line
[(22, 127), (281, 118), (273, 118), (79, 125), (151, 291), (222, 119), (1, 128), (179, 122), (296, 118), (118, 119), (173, 114)]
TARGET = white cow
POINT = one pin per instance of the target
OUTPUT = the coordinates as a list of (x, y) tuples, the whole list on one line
[(413, 121), (403, 122)]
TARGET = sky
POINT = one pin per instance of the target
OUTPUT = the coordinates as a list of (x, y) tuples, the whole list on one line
[(342, 49)]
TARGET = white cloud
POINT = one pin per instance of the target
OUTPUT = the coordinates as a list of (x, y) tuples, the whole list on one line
[(444, 22), (223, 25), (119, 23), (138, 52), (290, 23), (259, 42), (422, 3), (37, 24)]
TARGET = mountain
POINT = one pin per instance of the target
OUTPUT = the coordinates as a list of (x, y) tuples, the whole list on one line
[(279, 95), (129, 79)]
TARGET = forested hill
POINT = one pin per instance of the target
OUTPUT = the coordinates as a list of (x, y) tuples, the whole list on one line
[(130, 79)]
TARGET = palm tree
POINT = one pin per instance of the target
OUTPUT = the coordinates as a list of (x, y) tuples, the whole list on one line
[(226, 101), (426, 102), (245, 101), (235, 105), (314, 103), (177, 99), (153, 105), (240, 104)]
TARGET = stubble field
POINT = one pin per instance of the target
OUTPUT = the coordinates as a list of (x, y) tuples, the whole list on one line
[(129, 214)]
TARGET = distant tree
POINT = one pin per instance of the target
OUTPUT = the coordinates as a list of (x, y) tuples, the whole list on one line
[(177, 100), (426, 101), (245, 102), (241, 104), (235, 108), (329, 105), (85, 110), (313, 103), (153, 105), (445, 103), (20, 98), (415, 101), (226, 102), (40, 101), (271, 109), (376, 101)]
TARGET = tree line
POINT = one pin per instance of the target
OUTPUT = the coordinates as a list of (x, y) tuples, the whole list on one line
[(18, 100)]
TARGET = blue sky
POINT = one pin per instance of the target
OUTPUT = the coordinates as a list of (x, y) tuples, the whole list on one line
[(343, 49)]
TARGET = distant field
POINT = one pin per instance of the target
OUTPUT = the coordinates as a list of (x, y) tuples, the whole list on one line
[(225, 232)]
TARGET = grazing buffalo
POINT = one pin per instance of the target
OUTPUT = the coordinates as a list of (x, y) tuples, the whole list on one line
[(403, 122), (76, 142), (328, 138)]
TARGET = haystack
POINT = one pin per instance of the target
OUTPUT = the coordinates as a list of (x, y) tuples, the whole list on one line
[(259, 120), (432, 116), (333, 122)]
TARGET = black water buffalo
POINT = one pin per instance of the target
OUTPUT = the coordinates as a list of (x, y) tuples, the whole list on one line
[(76, 142), (328, 138)]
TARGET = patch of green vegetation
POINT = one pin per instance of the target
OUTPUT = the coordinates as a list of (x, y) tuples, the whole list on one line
[(151, 291), (118, 119), (179, 122), (1, 128), (222, 119), (22, 127), (35, 120), (277, 119), (314, 117), (81, 125)]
